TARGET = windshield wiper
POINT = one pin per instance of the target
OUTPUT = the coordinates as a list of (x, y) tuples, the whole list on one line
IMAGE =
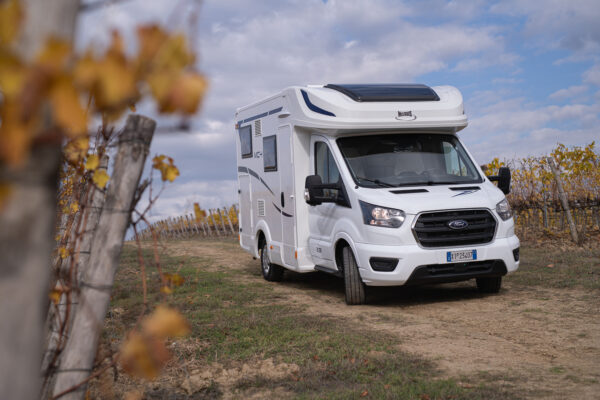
[(429, 183), (376, 181), (426, 183)]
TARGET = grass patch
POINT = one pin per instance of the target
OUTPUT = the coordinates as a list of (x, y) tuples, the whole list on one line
[(553, 267), (239, 322)]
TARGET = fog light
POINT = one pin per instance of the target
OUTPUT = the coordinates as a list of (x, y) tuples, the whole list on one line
[(516, 254), (383, 264)]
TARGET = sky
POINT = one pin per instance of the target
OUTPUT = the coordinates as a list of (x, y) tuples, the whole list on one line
[(529, 71)]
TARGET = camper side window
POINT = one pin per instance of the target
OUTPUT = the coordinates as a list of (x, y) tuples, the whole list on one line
[(270, 153), (326, 168), (246, 141)]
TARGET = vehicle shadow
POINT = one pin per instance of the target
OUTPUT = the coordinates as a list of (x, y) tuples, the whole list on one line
[(331, 286)]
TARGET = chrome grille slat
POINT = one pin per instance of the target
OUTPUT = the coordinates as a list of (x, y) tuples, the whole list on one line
[(431, 229)]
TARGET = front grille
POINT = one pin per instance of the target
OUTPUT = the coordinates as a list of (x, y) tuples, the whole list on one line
[(432, 230)]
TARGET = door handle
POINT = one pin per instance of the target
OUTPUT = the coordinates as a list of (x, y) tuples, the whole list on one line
[(282, 200)]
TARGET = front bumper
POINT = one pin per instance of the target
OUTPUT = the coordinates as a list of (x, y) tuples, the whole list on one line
[(411, 257)]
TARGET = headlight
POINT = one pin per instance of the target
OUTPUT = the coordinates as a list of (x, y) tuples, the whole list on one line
[(381, 216), (503, 210)]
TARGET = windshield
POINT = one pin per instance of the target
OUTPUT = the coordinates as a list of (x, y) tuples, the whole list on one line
[(407, 160)]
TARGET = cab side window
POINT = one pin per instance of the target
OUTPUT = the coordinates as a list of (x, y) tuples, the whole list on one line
[(326, 168), (325, 165)]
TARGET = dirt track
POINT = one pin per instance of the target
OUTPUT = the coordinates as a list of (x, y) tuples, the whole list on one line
[(543, 342)]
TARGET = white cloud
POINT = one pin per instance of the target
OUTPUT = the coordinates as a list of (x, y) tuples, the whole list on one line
[(249, 51), (566, 24), (592, 75), (569, 92)]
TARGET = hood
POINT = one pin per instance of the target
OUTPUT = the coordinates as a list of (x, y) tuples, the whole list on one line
[(416, 199)]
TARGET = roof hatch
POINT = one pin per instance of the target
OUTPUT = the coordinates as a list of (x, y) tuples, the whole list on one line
[(386, 92)]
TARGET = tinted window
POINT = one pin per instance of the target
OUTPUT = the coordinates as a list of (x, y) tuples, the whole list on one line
[(270, 153), (407, 160), (325, 165), (246, 141), (401, 92)]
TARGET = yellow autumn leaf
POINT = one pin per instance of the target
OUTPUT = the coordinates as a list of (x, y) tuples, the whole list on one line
[(198, 212), (54, 295), (166, 290), (74, 208), (160, 84), (68, 112), (171, 172), (165, 322), (77, 148), (11, 15), (151, 38), (92, 162), (116, 83), (63, 252), (187, 92), (12, 74), (173, 54), (174, 279), (85, 71), (143, 356), (100, 178), (15, 134), (54, 54), (5, 191)]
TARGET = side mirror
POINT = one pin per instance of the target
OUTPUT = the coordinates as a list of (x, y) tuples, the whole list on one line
[(313, 193), (503, 179)]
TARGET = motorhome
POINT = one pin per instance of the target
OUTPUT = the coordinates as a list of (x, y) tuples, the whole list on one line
[(371, 183)]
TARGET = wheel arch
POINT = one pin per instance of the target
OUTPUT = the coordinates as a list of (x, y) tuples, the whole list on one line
[(343, 240)]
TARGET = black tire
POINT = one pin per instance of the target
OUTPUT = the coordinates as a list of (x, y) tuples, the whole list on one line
[(271, 272), (355, 288), (489, 285)]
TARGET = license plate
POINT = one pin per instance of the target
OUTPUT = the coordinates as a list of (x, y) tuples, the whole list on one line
[(462, 255)]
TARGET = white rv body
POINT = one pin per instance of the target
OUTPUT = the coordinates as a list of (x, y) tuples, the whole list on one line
[(305, 238)]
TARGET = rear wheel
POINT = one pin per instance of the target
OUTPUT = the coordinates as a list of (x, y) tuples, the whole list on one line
[(355, 288), (271, 272), (489, 285)]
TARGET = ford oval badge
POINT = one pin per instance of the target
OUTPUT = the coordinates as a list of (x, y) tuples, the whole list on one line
[(458, 224)]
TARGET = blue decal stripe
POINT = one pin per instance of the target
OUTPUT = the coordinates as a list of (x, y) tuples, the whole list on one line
[(254, 174), (273, 111), (314, 108), (255, 117), (282, 212)]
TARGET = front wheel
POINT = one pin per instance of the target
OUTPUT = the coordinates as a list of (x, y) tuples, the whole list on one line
[(489, 285), (355, 288), (271, 272)]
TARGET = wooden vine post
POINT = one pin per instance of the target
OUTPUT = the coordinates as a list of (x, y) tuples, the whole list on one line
[(564, 200), (225, 215), (98, 277), (27, 221)]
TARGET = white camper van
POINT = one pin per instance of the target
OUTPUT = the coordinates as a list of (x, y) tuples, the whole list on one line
[(370, 183)]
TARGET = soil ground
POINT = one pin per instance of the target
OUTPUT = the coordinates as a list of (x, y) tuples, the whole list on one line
[(545, 339), (537, 340)]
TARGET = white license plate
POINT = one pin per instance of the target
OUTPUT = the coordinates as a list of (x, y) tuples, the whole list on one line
[(462, 255)]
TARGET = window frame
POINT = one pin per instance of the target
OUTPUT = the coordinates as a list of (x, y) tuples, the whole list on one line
[(273, 167), (240, 132)]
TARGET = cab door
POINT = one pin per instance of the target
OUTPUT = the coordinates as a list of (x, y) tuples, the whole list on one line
[(322, 218)]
